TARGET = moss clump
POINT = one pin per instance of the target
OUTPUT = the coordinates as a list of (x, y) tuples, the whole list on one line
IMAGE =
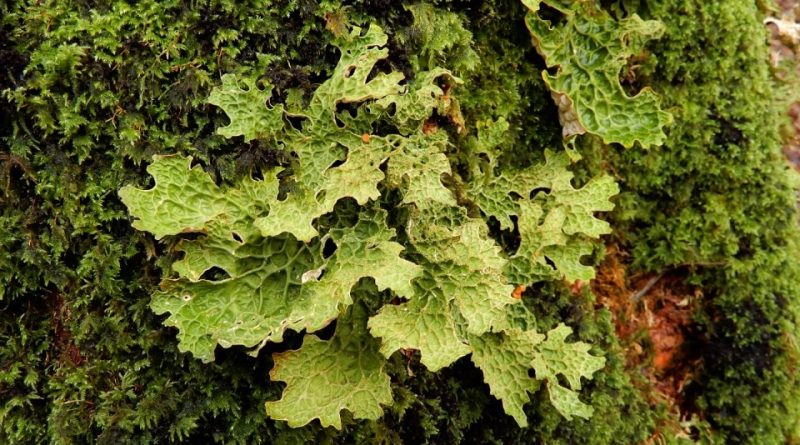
[(718, 197)]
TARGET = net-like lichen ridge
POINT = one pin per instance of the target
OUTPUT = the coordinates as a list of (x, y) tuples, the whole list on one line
[(263, 264)]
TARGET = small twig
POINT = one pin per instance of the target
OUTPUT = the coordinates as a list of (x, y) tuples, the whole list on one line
[(641, 293), (635, 297), (70, 402), (701, 264)]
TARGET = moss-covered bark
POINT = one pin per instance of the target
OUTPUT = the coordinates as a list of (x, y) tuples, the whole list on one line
[(718, 198), (91, 90)]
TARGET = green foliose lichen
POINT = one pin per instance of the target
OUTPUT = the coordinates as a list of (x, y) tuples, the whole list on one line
[(588, 49), (89, 91), (285, 263)]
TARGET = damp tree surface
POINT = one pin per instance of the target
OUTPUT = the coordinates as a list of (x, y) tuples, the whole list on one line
[(370, 225)]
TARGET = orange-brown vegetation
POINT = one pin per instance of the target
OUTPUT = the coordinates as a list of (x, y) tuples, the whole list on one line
[(652, 313)]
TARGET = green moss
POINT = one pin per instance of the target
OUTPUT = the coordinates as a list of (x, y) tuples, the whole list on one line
[(718, 197), (89, 91)]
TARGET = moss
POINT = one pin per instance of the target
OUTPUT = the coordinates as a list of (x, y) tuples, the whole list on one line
[(718, 196), (83, 357), (90, 90)]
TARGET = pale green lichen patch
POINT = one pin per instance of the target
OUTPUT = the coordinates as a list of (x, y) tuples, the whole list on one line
[(325, 377), (588, 49), (369, 194)]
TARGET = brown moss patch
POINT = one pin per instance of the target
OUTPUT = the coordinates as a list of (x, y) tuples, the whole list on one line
[(653, 318)]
